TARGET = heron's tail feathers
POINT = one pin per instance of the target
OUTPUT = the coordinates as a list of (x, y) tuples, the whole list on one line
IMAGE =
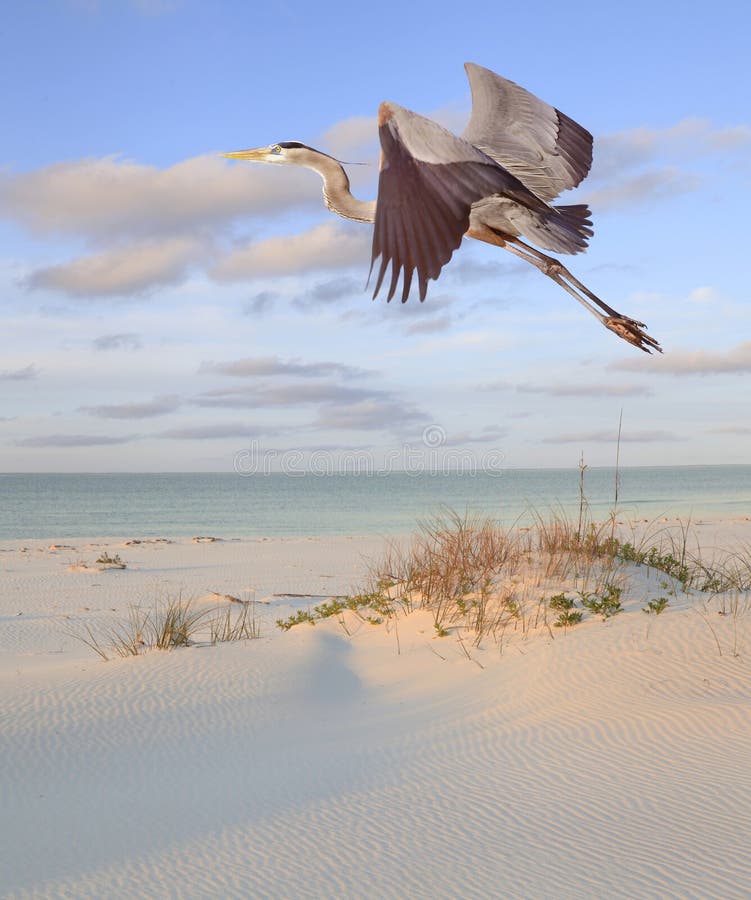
[(567, 229)]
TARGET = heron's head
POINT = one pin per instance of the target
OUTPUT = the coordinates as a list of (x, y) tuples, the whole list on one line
[(286, 153)]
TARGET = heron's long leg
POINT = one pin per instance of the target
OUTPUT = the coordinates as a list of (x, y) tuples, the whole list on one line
[(561, 276), (624, 326)]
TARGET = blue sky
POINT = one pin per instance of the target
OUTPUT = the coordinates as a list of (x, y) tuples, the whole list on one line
[(165, 309)]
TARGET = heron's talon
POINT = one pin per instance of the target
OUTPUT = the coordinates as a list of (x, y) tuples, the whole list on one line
[(631, 331)]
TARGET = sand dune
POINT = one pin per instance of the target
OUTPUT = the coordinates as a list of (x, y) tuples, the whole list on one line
[(607, 761)]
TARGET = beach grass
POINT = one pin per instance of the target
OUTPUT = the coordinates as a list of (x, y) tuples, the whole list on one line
[(171, 623), (485, 583), (476, 577)]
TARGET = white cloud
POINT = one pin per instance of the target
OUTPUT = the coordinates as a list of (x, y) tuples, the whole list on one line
[(353, 137), (368, 415), (736, 360), (651, 186), (704, 294), (132, 269), (110, 197), (586, 390), (254, 367), (326, 246), (648, 164), (158, 407), (689, 138), (282, 395)]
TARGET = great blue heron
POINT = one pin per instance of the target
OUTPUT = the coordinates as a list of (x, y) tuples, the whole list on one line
[(493, 183)]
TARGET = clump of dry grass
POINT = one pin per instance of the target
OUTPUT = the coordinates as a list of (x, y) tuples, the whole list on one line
[(110, 562), (229, 626), (169, 624), (474, 576), (472, 573)]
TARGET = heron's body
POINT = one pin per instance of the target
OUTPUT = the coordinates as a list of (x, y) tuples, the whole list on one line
[(494, 184)]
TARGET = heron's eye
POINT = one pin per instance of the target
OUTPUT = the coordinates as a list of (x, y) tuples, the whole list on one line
[(276, 149)]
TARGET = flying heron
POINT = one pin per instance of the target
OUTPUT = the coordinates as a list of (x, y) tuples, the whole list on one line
[(494, 183)]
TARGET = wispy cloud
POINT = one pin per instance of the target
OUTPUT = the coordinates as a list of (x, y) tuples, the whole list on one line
[(133, 269), (111, 198), (160, 406), (739, 430), (736, 360), (74, 440), (635, 190), (254, 367), (645, 165), (689, 138), (430, 326), (260, 303), (704, 294), (324, 247), (585, 390), (27, 373), (331, 291), (371, 414), (284, 395), (123, 341), (355, 138)]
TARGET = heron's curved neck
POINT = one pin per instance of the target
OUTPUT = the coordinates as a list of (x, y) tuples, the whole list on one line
[(336, 193)]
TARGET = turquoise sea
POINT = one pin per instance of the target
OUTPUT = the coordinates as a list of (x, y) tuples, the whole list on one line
[(53, 506)]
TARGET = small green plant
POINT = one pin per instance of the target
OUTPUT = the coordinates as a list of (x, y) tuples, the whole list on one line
[(302, 615), (561, 602), (627, 552), (567, 619), (606, 604), (668, 564), (331, 608), (655, 607), (564, 606), (375, 602), (440, 631)]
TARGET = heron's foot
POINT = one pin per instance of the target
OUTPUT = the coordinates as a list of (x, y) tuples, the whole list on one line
[(633, 332)]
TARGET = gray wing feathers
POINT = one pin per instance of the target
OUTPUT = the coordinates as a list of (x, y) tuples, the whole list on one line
[(543, 147), (428, 182)]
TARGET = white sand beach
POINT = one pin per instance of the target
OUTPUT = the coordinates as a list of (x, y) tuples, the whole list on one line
[(349, 759)]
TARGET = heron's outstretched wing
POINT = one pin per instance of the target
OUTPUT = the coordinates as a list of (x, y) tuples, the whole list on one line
[(428, 182), (547, 151)]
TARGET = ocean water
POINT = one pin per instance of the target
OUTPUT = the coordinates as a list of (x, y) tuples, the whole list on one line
[(55, 507)]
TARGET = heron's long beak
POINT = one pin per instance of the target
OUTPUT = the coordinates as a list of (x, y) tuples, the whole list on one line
[(255, 155)]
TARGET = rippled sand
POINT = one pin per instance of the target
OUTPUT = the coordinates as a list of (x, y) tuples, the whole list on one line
[(609, 761)]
